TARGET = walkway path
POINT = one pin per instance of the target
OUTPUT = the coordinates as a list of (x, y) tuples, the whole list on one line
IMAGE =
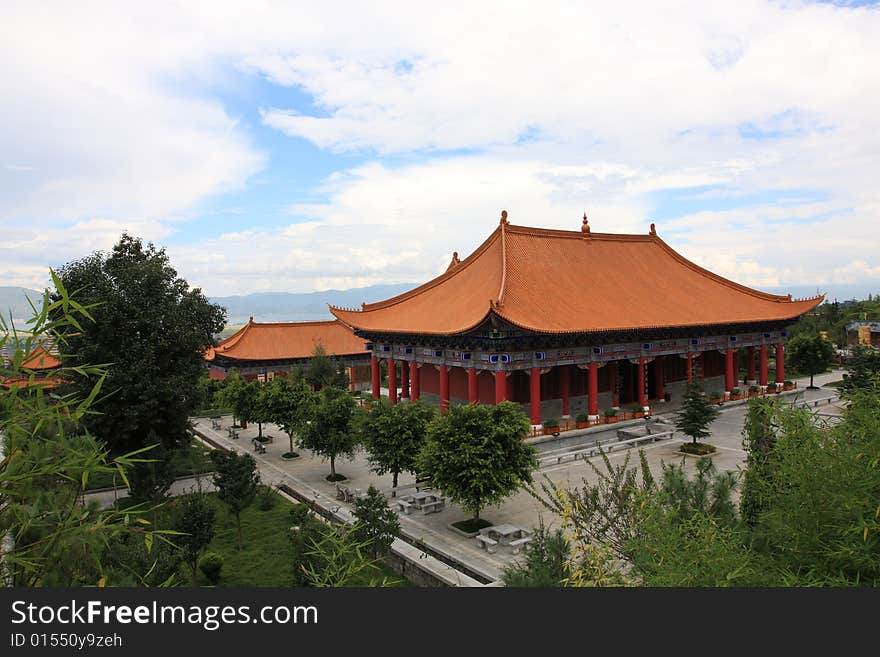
[(307, 475)]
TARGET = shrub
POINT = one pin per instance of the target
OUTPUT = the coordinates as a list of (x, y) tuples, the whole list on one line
[(610, 412), (754, 388), (700, 449), (582, 417), (715, 395), (788, 383), (736, 391), (771, 387), (211, 564), (265, 498), (552, 423)]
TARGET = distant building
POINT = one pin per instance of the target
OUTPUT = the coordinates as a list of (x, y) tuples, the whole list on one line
[(40, 367), (864, 333), (262, 350)]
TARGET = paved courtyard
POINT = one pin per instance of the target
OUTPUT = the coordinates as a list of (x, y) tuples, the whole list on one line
[(308, 473)]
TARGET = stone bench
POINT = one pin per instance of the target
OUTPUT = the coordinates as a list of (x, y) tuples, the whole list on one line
[(519, 544), (486, 543)]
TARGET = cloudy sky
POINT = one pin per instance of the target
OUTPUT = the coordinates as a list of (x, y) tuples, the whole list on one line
[(299, 146)]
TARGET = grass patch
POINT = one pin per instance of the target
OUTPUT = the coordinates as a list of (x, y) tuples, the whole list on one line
[(698, 449), (193, 460), (470, 525), (266, 558)]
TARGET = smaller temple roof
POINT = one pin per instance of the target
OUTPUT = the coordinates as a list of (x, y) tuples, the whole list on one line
[(41, 359), (287, 341)]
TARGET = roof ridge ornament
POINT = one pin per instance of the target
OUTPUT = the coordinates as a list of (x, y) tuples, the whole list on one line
[(504, 221), (455, 261), (585, 227), (653, 232)]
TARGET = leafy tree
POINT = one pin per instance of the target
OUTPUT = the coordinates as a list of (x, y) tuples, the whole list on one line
[(329, 431), (194, 519), (289, 403), (810, 354), (47, 460), (475, 454), (863, 366), (237, 482), (696, 414), (547, 561), (153, 329), (322, 370), (394, 434), (376, 524), (759, 437)]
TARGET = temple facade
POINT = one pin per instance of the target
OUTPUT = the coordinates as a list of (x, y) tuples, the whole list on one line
[(264, 350), (571, 322)]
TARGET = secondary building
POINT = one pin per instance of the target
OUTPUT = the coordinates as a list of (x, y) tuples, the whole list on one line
[(263, 350)]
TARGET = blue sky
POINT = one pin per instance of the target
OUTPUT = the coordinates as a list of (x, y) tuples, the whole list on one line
[(283, 146)]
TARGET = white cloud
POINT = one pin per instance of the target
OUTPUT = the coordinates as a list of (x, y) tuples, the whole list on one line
[(108, 114)]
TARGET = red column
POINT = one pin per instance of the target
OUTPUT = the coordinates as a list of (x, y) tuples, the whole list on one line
[(374, 372), (659, 386), (730, 376), (750, 366), (780, 363), (593, 390), (392, 381), (472, 386), (444, 389), (500, 387), (535, 395), (564, 376), (414, 377), (404, 380), (762, 365), (351, 378), (642, 396), (690, 368), (612, 376)]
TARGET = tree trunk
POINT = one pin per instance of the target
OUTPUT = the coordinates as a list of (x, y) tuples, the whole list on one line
[(811, 381), (394, 484), (477, 516), (333, 468), (290, 436), (260, 429), (695, 440)]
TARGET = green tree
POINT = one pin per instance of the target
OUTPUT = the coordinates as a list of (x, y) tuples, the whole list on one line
[(323, 370), (289, 404), (376, 524), (476, 456), (809, 354), (696, 414), (546, 563), (154, 330), (863, 365), (194, 520), (47, 460), (237, 481), (329, 431), (393, 435)]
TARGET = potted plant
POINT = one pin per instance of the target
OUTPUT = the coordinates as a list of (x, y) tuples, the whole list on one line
[(551, 426), (582, 421), (788, 385), (610, 415), (715, 397), (735, 394), (771, 387), (754, 391), (638, 411)]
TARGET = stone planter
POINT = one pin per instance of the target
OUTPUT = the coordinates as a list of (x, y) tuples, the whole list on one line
[(610, 420), (583, 425), (549, 431)]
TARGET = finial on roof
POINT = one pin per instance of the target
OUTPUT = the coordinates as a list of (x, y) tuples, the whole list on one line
[(585, 225), (653, 230), (504, 217), (251, 320), (455, 261)]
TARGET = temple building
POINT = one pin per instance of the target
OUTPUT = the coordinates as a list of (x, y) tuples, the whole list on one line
[(40, 366), (570, 322), (264, 350)]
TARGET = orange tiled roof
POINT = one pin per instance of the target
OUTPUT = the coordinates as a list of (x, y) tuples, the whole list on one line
[(287, 340), (556, 281), (41, 359)]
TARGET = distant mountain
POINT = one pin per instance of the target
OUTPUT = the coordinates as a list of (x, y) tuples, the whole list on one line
[(832, 291), (14, 300), (302, 307)]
